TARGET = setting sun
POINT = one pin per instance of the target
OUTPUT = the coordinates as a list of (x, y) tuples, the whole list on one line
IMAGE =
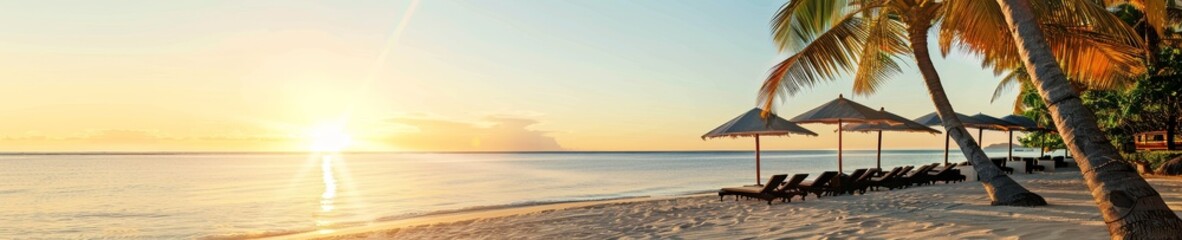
[(328, 138)]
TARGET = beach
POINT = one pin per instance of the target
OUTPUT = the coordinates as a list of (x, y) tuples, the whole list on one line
[(940, 211)]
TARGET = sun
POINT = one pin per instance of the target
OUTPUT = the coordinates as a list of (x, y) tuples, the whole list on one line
[(328, 138)]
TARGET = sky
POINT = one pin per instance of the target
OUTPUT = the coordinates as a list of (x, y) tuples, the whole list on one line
[(510, 75)]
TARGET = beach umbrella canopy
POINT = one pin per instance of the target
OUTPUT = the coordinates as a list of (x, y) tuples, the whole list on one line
[(841, 111), (1021, 123), (990, 123), (933, 119), (906, 126), (1024, 123), (993, 123), (752, 124)]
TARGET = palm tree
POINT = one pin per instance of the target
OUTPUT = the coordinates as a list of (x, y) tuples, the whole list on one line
[(832, 36), (1131, 207), (1148, 20)]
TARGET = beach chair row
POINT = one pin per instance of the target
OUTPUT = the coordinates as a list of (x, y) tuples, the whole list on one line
[(781, 187)]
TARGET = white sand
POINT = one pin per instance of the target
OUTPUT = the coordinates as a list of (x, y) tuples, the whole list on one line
[(938, 211)]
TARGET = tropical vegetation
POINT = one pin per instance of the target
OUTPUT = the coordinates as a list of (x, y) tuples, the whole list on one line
[(1130, 207), (1079, 40)]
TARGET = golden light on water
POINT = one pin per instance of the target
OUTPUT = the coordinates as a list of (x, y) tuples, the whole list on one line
[(323, 222), (330, 183)]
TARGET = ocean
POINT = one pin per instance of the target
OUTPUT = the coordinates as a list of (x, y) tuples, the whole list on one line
[(207, 195)]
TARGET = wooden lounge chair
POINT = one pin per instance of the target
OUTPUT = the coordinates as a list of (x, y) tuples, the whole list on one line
[(842, 184), (1000, 163), (876, 182), (1060, 161), (946, 175), (860, 184), (1032, 165), (817, 186), (913, 178), (764, 192), (791, 188)]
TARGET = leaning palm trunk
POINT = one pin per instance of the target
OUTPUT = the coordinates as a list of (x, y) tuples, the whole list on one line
[(1002, 190), (1130, 206)]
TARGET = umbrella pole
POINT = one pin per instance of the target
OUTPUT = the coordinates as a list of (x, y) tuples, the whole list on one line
[(1011, 145), (878, 162), (757, 159), (839, 146), (980, 136), (946, 139)]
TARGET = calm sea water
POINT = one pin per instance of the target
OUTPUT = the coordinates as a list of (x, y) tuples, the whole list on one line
[(242, 195)]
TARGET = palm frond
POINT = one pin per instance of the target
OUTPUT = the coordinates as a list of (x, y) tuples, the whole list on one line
[(1019, 107), (884, 43), (1156, 12), (832, 52), (1014, 77), (1090, 44), (799, 21)]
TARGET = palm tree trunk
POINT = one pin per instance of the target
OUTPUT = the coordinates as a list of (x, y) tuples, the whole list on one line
[(1130, 206), (1002, 190)]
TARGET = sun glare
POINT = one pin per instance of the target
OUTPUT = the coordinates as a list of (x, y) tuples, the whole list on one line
[(328, 138)]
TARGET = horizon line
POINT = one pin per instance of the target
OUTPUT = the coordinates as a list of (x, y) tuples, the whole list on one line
[(18, 153)]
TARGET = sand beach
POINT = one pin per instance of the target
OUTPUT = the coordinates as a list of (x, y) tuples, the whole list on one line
[(941, 211)]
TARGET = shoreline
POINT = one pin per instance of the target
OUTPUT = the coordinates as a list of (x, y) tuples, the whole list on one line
[(462, 215), (958, 210)]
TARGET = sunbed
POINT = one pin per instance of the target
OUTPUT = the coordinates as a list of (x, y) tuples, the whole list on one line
[(817, 186), (761, 192), (860, 184), (915, 177), (878, 181)]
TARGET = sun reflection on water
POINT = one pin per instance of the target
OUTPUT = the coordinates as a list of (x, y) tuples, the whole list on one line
[(330, 190), (330, 183)]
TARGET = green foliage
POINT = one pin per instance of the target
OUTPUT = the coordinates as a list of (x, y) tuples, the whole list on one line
[(1153, 103), (1108, 105), (1036, 110), (1154, 158)]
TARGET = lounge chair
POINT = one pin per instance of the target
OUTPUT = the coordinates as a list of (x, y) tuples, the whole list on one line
[(1000, 163), (878, 181), (860, 184), (892, 182), (946, 175), (1032, 165), (916, 177), (764, 192), (817, 186), (791, 188), (1060, 161), (842, 184)]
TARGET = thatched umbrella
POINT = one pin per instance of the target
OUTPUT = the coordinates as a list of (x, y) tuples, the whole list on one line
[(907, 126), (991, 123), (752, 124), (841, 111), (1021, 123), (933, 119)]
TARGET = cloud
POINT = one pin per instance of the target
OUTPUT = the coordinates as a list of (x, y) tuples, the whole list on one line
[(500, 133)]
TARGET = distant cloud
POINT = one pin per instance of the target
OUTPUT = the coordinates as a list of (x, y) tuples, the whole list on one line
[(501, 134)]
